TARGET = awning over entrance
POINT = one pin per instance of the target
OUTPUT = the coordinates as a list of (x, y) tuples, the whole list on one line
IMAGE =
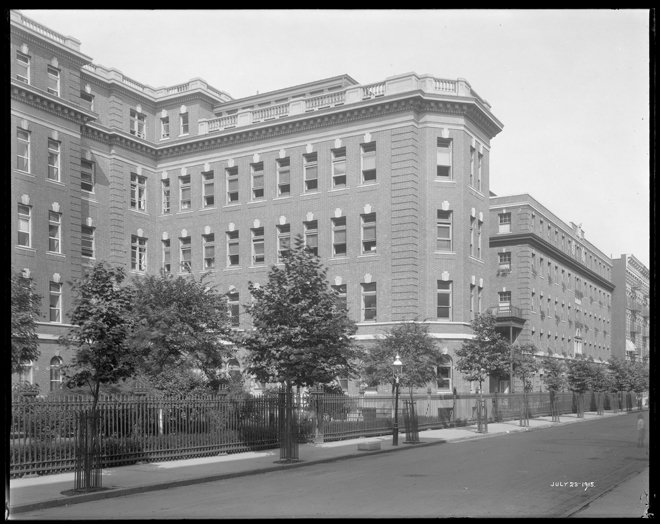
[(630, 347)]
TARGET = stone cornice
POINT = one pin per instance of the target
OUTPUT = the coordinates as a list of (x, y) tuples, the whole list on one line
[(534, 240), (58, 50), (641, 268), (35, 97), (114, 137)]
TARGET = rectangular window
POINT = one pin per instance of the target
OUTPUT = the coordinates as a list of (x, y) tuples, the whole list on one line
[(444, 301), (258, 256), (479, 300), (369, 163), (541, 267), (184, 123), (165, 127), (339, 168), (24, 225), (472, 300), (480, 158), (283, 240), (339, 237), (137, 124), (505, 261), (232, 184), (444, 377), (209, 251), (185, 194), (473, 154), (258, 181), (53, 160), (53, 81), (283, 177), (138, 253), (341, 302), (138, 192), (167, 256), (23, 67), (89, 98), (87, 175), (233, 302), (55, 295), (444, 236), (505, 300), (473, 222), (54, 232), (208, 189), (444, 159), (185, 244), (369, 302), (87, 241), (23, 150), (165, 188), (368, 233), (479, 229), (505, 222), (311, 172), (233, 259), (312, 236), (533, 304)]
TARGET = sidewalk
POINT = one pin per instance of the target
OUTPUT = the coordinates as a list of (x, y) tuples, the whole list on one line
[(32, 493)]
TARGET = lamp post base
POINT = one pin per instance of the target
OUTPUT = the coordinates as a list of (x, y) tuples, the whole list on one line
[(395, 435)]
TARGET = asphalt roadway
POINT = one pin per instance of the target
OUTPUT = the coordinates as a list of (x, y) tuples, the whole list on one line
[(544, 473)]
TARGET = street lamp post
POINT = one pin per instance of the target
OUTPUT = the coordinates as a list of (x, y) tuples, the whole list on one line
[(396, 370)]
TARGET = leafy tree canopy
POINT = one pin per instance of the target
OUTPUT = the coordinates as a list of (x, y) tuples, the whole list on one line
[(25, 309), (301, 336), (620, 374), (525, 364), (553, 378), (579, 375)]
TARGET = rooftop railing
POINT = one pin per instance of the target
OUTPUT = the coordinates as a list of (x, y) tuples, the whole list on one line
[(67, 41)]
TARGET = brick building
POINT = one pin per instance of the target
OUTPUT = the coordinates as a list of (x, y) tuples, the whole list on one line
[(550, 286), (388, 182)]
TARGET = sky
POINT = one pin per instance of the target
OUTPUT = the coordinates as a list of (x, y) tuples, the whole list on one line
[(570, 86)]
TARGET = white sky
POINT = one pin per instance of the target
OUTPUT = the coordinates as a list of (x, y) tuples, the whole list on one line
[(570, 86)]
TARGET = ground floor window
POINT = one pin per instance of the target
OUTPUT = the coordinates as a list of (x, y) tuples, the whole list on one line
[(55, 373)]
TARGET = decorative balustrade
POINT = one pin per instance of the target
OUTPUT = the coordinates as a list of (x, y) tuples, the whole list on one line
[(90, 67), (444, 85), (327, 100), (132, 83), (269, 113), (178, 89), (43, 30), (218, 124), (373, 90)]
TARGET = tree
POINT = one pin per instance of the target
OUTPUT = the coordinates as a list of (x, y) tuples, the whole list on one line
[(600, 383), (638, 377), (488, 353), (179, 323), (525, 364), (579, 379), (101, 328), (412, 342), (25, 308), (554, 382), (620, 373), (301, 335)]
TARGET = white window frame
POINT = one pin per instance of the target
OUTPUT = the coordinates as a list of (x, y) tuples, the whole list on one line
[(258, 246), (184, 124), (442, 291), (55, 369), (26, 373), (283, 240), (26, 65), (167, 255), (88, 97), (339, 226), (138, 123), (369, 174), (232, 178), (87, 237), (234, 306), (339, 177), (504, 222), (473, 222), (55, 308), (138, 192), (284, 177), (368, 224), (369, 290), (87, 175), (138, 254), (311, 169), (23, 140), (312, 232), (444, 220), (480, 158), (208, 245), (185, 255), (473, 154), (185, 204), (54, 240), (53, 75), (504, 260), (444, 159), (342, 298), (208, 189), (258, 181), (166, 196), (233, 249), (164, 127), (479, 237), (25, 219), (54, 149)]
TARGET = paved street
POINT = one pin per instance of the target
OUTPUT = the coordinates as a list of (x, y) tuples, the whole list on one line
[(510, 475)]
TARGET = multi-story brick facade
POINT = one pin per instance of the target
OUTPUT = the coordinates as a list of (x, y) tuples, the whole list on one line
[(388, 181), (631, 303), (549, 285)]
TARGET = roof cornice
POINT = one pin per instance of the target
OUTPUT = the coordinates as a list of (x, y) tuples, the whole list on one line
[(35, 97)]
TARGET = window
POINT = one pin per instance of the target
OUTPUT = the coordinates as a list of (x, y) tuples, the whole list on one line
[(369, 304), (165, 127), (283, 177), (505, 300), (87, 176), (443, 373), (208, 189), (311, 172), (473, 154), (283, 240), (479, 229), (53, 81), (505, 222), (55, 373), (184, 193), (444, 300), (185, 246), (209, 251), (183, 119), (24, 225), (23, 150), (89, 98), (232, 184), (444, 239), (479, 302), (26, 373), (166, 195), (138, 253), (87, 241), (369, 163), (341, 302), (556, 275), (137, 124), (472, 300), (505, 261), (232, 249), (55, 295), (138, 192), (258, 181), (53, 160), (444, 158), (234, 308), (541, 267), (480, 158), (23, 67), (541, 227), (339, 168), (369, 233), (54, 232), (533, 304), (473, 222), (258, 256), (311, 236), (339, 237), (167, 256)]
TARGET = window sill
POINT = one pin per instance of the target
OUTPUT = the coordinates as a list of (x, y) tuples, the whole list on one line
[(259, 202), (25, 248), (209, 270), (184, 134), (373, 255), (25, 173), (444, 180), (310, 193), (257, 267), (62, 324), (186, 212), (476, 259), (138, 272), (477, 192), (138, 212), (338, 259), (213, 208), (372, 184), (282, 197), (54, 254), (56, 182), (444, 252), (85, 196), (231, 206), (232, 268), (164, 138), (338, 189)]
